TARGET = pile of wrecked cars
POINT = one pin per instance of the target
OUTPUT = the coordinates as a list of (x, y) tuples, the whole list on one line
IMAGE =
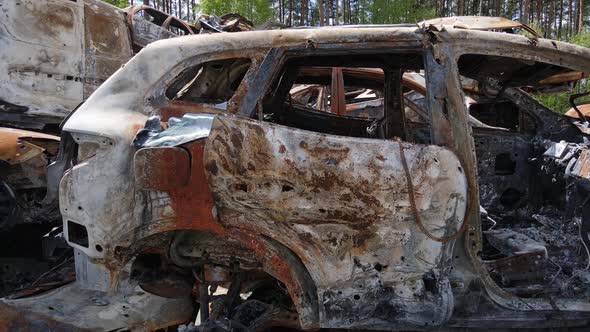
[(379, 177)]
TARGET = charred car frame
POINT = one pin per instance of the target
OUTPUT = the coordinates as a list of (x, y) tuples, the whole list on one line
[(195, 169)]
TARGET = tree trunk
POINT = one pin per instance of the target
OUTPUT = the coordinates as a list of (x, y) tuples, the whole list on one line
[(320, 4), (303, 13), (290, 13), (560, 19), (539, 9), (581, 17), (549, 18), (349, 12), (570, 17), (336, 12), (281, 11), (576, 18)]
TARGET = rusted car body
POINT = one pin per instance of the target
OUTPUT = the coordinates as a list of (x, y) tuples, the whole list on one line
[(205, 173)]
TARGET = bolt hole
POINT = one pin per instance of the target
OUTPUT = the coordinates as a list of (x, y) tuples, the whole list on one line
[(286, 188), (357, 297), (241, 187), (98, 247)]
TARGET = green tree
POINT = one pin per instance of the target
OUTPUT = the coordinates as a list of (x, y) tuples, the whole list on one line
[(258, 11), (118, 3), (398, 11), (560, 101)]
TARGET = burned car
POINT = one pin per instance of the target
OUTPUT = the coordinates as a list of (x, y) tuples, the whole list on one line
[(199, 181), (55, 53)]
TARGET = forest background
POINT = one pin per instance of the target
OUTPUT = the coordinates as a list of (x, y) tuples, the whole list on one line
[(566, 20)]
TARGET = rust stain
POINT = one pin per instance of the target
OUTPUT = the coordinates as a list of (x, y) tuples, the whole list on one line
[(53, 18), (13, 148), (162, 168), (12, 319), (193, 204), (274, 262)]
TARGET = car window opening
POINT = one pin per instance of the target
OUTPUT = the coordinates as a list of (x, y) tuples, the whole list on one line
[(358, 96)]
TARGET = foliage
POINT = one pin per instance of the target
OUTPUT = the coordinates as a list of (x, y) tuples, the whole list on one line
[(118, 3), (582, 39), (258, 11), (397, 11), (560, 101)]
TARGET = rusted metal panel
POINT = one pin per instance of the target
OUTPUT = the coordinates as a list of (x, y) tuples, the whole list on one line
[(87, 310), (15, 150), (394, 116), (42, 66), (476, 23), (161, 168), (24, 320), (192, 206), (144, 32), (341, 204), (337, 103), (107, 43), (567, 77), (582, 165), (585, 109), (525, 261)]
